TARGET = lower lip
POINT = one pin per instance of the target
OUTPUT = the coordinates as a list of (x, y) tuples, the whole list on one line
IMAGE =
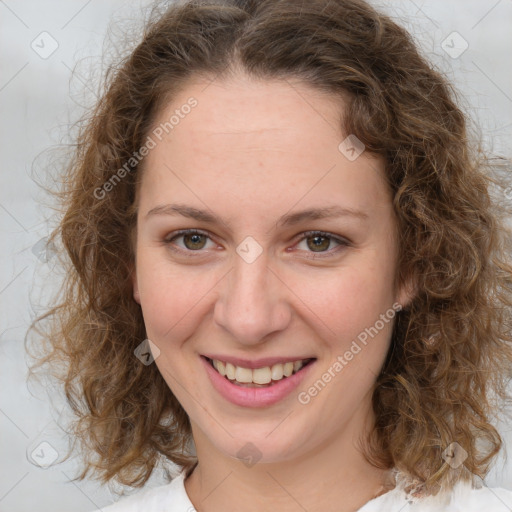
[(254, 397)]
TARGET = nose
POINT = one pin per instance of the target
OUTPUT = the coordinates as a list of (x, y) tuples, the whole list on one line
[(252, 302)]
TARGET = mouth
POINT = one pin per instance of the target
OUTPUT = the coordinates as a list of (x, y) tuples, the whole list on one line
[(264, 377)]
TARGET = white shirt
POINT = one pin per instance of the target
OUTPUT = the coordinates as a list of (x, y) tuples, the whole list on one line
[(173, 497)]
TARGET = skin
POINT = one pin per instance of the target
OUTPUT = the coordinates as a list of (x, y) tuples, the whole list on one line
[(250, 152)]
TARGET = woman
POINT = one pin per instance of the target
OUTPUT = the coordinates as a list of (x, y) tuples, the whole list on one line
[(286, 273)]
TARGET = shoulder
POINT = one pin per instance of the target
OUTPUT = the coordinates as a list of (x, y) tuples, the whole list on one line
[(171, 497), (491, 499), (462, 498)]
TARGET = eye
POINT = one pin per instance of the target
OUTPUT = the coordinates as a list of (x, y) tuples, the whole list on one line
[(192, 240), (316, 242), (320, 242)]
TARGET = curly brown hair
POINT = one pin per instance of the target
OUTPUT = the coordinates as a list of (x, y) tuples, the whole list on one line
[(451, 353)]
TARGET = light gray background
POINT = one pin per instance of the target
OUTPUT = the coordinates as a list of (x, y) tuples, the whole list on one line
[(38, 103)]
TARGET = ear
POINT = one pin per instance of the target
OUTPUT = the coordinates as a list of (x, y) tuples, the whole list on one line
[(407, 292), (133, 265), (135, 285)]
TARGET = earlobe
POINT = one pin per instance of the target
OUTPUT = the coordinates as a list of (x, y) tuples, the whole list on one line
[(135, 286), (408, 292)]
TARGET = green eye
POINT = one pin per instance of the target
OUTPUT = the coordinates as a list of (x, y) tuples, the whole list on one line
[(314, 242), (320, 242), (192, 240)]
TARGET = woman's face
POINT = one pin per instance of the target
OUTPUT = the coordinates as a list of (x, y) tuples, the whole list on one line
[(256, 169)]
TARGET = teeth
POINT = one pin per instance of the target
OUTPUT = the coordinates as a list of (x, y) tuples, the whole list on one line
[(243, 375), (277, 372), (288, 369), (230, 371), (220, 367), (263, 375)]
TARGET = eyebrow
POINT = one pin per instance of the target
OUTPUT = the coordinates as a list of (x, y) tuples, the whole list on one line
[(289, 219)]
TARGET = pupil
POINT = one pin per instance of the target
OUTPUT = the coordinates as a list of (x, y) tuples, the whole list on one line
[(194, 241), (318, 242)]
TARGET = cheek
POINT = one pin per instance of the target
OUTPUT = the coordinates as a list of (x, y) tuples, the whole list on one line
[(357, 339), (344, 303), (171, 298)]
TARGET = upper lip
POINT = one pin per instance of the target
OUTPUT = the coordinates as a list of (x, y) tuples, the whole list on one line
[(255, 363)]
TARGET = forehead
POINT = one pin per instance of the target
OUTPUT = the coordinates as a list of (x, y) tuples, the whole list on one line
[(251, 138), (247, 111)]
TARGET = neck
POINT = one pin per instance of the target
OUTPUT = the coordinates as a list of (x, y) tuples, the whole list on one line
[(333, 477)]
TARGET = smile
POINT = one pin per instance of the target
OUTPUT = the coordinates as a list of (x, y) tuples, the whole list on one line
[(256, 387), (258, 377)]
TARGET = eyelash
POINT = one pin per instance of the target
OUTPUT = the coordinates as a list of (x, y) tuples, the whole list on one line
[(304, 236)]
